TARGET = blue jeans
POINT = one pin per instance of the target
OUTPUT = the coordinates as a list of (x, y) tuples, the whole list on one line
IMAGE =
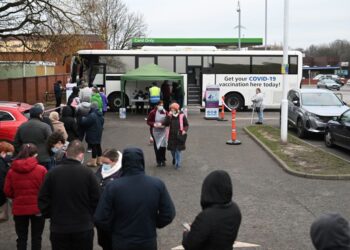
[(177, 156), (260, 116)]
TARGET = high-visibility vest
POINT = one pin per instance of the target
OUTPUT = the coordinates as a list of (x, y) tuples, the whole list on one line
[(154, 94)]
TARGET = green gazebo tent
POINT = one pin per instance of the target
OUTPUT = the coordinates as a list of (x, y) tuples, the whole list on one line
[(149, 72)]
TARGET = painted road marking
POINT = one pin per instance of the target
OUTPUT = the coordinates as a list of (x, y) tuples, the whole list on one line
[(237, 244)]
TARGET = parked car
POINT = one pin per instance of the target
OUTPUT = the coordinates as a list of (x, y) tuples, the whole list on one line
[(338, 131), (12, 115), (309, 110), (328, 84)]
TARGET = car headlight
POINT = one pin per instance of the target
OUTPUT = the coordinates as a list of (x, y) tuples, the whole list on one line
[(311, 115)]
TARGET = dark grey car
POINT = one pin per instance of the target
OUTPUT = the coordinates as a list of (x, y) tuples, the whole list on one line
[(338, 131), (309, 110)]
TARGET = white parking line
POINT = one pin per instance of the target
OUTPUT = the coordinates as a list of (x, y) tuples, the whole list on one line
[(236, 245)]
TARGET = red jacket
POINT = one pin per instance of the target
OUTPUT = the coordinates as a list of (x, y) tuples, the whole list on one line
[(22, 184)]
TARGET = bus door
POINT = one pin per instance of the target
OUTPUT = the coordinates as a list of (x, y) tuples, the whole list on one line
[(97, 76), (194, 85)]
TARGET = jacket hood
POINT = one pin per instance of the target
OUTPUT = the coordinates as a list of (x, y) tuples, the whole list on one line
[(24, 165), (216, 189), (133, 161), (67, 112), (330, 232)]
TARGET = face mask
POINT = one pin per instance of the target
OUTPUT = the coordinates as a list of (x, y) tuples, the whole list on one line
[(54, 150), (106, 167), (8, 158), (160, 108)]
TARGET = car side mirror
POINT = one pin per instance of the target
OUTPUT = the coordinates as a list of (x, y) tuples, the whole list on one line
[(296, 103)]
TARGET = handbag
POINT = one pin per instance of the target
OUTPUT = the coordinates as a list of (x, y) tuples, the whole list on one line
[(180, 137), (4, 213)]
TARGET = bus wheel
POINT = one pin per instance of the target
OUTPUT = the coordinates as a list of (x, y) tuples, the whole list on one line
[(115, 101), (234, 101)]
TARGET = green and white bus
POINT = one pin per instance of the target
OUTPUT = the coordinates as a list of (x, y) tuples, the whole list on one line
[(237, 73)]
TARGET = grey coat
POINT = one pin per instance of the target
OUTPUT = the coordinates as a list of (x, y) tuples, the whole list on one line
[(34, 131)]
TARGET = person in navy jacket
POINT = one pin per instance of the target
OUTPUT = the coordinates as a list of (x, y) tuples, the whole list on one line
[(134, 206)]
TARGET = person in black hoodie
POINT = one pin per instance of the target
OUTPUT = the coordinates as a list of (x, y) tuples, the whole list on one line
[(133, 206), (69, 196), (70, 123), (330, 232), (216, 227)]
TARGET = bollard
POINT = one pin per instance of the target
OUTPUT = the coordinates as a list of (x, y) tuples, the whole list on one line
[(233, 140), (222, 113)]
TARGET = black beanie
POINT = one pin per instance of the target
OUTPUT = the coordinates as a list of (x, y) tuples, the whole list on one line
[(35, 112)]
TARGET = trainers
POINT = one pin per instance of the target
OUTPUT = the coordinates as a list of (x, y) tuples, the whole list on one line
[(163, 164), (159, 165), (173, 161), (259, 123)]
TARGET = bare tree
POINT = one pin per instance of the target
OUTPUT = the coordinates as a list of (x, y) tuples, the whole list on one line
[(28, 21), (112, 21), (338, 50)]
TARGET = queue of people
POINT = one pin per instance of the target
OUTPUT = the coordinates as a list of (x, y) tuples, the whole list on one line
[(47, 179)]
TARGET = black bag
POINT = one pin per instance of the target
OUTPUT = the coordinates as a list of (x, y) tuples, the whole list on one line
[(181, 138)]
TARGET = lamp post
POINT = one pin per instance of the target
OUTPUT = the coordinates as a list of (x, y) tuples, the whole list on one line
[(239, 24), (285, 68), (114, 34), (265, 24)]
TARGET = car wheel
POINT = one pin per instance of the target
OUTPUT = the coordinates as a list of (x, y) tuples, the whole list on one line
[(328, 139), (301, 132)]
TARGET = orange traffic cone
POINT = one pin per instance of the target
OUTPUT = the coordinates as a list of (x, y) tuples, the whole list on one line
[(233, 140), (222, 113)]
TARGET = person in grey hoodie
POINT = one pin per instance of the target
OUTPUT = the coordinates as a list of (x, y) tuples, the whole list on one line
[(83, 110), (330, 232)]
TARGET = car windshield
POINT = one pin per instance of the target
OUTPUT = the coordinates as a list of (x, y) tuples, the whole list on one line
[(320, 99), (329, 81)]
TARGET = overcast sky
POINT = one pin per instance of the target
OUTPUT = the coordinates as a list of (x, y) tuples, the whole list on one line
[(311, 21)]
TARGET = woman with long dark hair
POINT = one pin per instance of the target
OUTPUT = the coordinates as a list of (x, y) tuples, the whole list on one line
[(22, 185)]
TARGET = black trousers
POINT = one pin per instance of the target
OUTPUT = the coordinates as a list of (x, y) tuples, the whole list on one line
[(72, 241), (96, 150), (37, 224), (58, 104), (104, 239), (160, 153)]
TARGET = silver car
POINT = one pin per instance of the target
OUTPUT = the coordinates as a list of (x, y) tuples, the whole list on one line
[(328, 84), (309, 110)]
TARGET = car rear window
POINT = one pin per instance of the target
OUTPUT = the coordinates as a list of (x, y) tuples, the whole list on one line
[(320, 99), (26, 114)]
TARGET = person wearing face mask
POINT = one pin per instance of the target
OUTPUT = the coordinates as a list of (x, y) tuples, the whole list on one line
[(178, 127), (22, 185), (6, 151), (34, 131), (158, 132), (56, 145), (69, 196), (110, 170)]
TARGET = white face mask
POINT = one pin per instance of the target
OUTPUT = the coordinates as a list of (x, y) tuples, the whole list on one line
[(160, 108)]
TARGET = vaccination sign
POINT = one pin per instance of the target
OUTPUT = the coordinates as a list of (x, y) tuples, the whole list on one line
[(212, 95), (249, 81)]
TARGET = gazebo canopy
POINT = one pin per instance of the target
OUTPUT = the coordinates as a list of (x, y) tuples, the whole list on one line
[(149, 72)]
